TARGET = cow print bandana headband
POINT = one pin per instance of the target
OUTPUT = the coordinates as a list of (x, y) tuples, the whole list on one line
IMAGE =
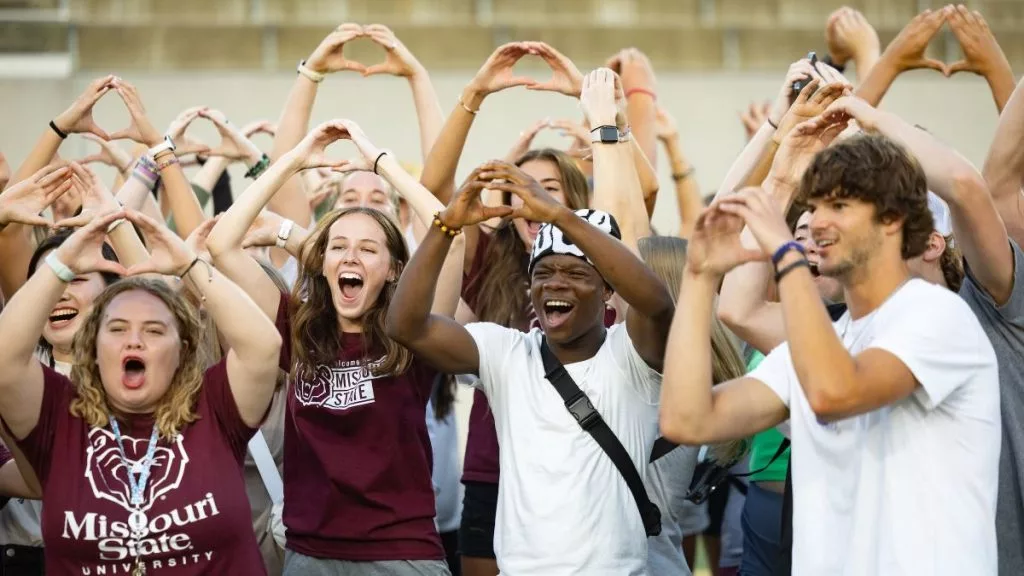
[(550, 239)]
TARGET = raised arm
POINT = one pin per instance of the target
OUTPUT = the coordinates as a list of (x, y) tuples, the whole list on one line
[(744, 306), (424, 206), (650, 303), (616, 185), (401, 62), (1004, 166), (20, 206), (225, 240), (982, 54), (252, 339), (753, 162), (688, 197), (980, 233), (692, 412), (187, 212), (850, 36), (905, 52), (439, 339), (290, 200), (494, 76), (22, 320)]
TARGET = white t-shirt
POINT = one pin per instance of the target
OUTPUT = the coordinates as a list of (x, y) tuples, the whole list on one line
[(563, 507), (909, 488)]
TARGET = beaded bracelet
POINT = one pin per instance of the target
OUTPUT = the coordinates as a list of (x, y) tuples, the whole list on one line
[(169, 161), (451, 232)]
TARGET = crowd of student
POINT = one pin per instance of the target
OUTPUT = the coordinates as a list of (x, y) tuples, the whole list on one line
[(822, 373)]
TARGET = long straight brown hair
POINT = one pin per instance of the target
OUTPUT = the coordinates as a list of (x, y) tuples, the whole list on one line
[(503, 285), (666, 256), (316, 336)]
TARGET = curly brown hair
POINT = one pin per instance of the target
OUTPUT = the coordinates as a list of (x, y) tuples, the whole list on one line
[(874, 169), (177, 408), (503, 285), (316, 338)]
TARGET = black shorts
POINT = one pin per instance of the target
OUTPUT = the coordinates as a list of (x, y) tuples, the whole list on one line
[(479, 508)]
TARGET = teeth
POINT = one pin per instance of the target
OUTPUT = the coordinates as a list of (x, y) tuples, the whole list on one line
[(557, 304), (351, 276)]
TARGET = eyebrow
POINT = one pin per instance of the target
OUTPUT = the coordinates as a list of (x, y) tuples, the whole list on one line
[(370, 240), (543, 180), (146, 323)]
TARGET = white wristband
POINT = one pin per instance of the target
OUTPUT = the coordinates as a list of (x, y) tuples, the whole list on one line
[(308, 72), (284, 233), (59, 268)]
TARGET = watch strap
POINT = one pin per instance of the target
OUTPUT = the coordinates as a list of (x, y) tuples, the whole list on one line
[(164, 146)]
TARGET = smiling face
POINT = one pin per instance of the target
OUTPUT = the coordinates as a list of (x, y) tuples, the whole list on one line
[(138, 350), (357, 265), (69, 312), (569, 297), (367, 190), (847, 235), (828, 288), (546, 172)]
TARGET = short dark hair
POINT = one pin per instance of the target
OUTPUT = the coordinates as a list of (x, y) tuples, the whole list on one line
[(876, 170)]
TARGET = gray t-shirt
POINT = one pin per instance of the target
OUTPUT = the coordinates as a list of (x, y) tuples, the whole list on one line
[(668, 480), (1004, 326)]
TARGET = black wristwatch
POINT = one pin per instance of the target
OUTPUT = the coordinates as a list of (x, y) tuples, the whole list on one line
[(605, 135)]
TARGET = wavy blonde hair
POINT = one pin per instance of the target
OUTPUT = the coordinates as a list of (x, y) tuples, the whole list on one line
[(666, 256), (177, 408)]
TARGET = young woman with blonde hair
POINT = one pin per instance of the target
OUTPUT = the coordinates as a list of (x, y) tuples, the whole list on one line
[(140, 453)]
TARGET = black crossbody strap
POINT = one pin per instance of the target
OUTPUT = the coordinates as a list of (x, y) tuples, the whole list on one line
[(579, 405)]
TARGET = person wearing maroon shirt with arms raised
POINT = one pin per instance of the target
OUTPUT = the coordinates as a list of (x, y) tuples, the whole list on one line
[(358, 498), (140, 453)]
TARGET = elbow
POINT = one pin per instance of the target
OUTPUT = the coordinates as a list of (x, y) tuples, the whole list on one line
[(827, 406), (397, 325), (679, 428), (732, 317), (966, 184), (216, 244)]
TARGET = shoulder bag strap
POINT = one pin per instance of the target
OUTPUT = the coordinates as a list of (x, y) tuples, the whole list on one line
[(582, 410), (266, 466)]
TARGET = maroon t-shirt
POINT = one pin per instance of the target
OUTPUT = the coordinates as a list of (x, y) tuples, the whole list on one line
[(357, 459), (195, 502), (481, 462)]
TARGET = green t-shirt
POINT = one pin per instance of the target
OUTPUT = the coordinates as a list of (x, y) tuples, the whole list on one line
[(765, 444)]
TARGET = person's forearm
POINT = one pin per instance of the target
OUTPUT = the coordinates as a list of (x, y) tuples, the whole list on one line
[(686, 400), (617, 191), (864, 61), (40, 155), (744, 308), (290, 200), (753, 154), (181, 200), (428, 110), (939, 162), (442, 161), (240, 322), (649, 184), (873, 87), (643, 123), (449, 282), (823, 366), (209, 174), (631, 279), (296, 241), (688, 198), (16, 246), (13, 484), (23, 318), (1001, 83), (422, 203), (410, 310), (1004, 165), (230, 230), (127, 245)]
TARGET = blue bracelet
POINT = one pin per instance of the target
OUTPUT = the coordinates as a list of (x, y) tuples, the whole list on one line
[(785, 248)]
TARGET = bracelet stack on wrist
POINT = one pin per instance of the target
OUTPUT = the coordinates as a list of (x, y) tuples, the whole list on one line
[(259, 167), (146, 172), (164, 160), (451, 232)]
